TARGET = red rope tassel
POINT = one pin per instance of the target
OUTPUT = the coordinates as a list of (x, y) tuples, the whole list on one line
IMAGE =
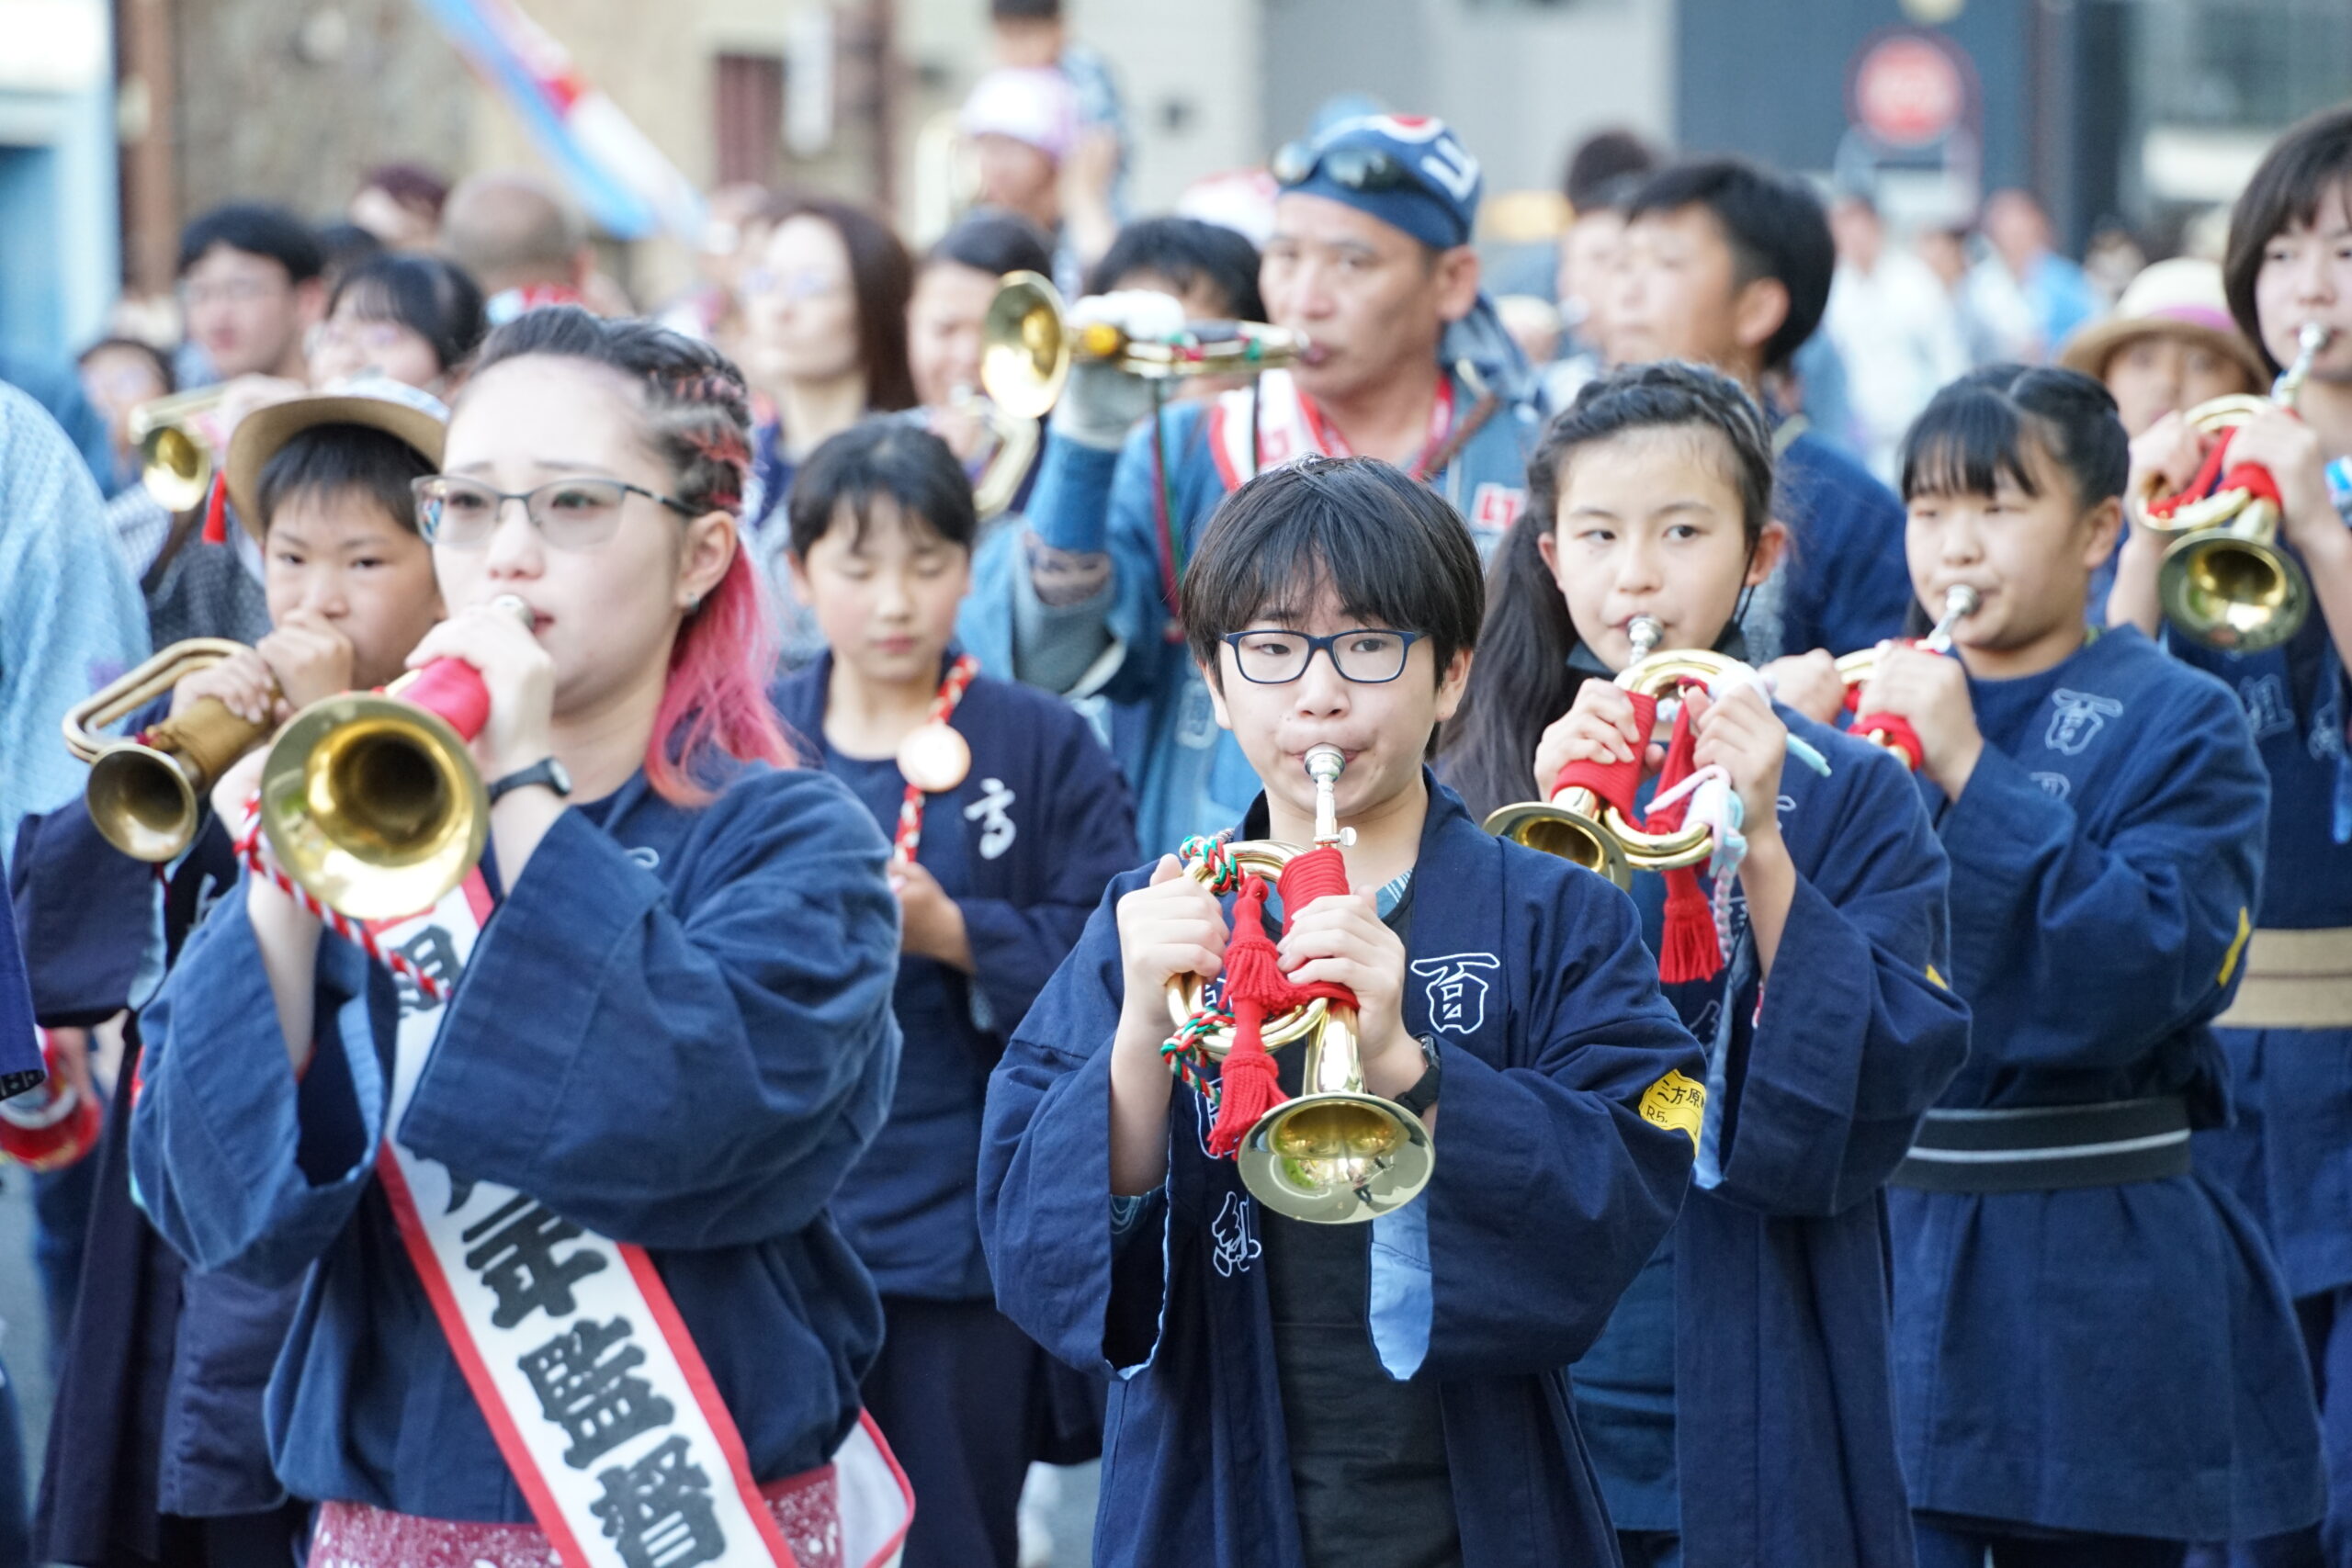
[(1688, 949), (216, 511), (1248, 1086)]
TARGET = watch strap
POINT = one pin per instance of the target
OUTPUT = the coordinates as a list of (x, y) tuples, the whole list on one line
[(1423, 1094), (546, 770)]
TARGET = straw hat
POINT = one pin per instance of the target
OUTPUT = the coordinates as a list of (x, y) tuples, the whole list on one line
[(376, 402), (2182, 297)]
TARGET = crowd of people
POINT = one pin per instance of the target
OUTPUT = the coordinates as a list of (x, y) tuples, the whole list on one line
[(808, 1114)]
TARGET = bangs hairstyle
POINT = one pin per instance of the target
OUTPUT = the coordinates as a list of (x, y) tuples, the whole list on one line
[(694, 415), (1974, 433), (2312, 159), (1394, 552), (434, 299), (883, 455), (1522, 680), (327, 462)]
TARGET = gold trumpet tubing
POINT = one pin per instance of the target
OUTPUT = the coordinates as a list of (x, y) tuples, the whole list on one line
[(1255, 347), (134, 688), (1187, 993), (178, 408)]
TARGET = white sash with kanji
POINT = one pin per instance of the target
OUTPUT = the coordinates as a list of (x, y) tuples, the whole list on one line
[(597, 1397)]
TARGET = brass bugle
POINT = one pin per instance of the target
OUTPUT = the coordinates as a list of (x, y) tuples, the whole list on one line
[(1860, 667), (1015, 447), (371, 799), (177, 450), (1027, 348), (1577, 826), (146, 794), (2225, 581), (1336, 1153)]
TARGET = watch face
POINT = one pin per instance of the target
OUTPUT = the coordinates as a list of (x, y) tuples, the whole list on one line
[(559, 777)]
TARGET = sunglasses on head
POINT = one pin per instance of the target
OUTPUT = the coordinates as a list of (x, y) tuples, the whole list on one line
[(1356, 168)]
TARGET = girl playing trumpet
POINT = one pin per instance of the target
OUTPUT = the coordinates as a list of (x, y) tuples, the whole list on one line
[(1752, 1351)]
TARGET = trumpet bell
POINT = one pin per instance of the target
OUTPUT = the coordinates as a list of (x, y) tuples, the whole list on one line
[(1024, 348), (374, 804), (1337, 1158), (142, 801), (2236, 591), (175, 466), (1554, 830)]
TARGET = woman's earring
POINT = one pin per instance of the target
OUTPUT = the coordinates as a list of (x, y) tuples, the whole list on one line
[(693, 602)]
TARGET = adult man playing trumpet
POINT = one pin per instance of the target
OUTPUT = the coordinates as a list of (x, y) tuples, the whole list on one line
[(1370, 261)]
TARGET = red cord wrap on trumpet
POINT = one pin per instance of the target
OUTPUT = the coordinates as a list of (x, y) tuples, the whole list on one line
[(1688, 948), (2213, 480), (1256, 989)]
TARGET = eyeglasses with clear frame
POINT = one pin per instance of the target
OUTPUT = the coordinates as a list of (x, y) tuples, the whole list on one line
[(1368, 655), (570, 514)]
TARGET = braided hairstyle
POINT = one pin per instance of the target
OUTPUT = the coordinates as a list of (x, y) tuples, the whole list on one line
[(694, 415), (1522, 680)]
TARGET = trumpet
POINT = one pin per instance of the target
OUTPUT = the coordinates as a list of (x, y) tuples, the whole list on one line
[(1014, 442), (1860, 667), (145, 795), (1577, 825), (371, 800), (178, 447), (1027, 348), (1338, 1154), (2225, 581)]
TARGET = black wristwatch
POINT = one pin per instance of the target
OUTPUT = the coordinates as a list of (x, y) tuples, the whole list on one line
[(547, 771), (1423, 1094)]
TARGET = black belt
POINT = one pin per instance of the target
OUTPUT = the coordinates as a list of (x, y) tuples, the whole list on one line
[(2044, 1149)]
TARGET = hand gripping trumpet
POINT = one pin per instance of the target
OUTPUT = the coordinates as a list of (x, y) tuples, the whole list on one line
[(1859, 669), (2225, 581), (370, 799), (146, 794), (1590, 817), (1337, 1155)]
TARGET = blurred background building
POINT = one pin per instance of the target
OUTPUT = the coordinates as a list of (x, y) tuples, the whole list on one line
[(2133, 111)]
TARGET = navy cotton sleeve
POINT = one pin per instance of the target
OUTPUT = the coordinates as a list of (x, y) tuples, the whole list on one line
[(1857, 1036), (697, 1073)]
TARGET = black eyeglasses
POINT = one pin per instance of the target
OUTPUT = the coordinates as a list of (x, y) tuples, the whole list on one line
[(1357, 168), (1367, 657), (570, 514)]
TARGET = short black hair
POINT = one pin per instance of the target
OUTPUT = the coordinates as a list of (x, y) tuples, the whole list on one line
[(883, 454), (257, 229), (2313, 158), (1604, 159), (435, 298), (1774, 226), (991, 240), (328, 460), (1972, 434), (1395, 552), (1185, 251)]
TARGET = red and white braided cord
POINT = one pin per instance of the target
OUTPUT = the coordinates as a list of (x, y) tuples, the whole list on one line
[(252, 849), (908, 836)]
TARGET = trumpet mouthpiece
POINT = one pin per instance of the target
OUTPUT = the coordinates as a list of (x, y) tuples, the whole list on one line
[(1644, 632), (1324, 763), (1962, 600), (513, 606)]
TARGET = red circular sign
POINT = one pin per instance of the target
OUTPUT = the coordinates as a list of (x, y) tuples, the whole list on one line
[(1908, 90)]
